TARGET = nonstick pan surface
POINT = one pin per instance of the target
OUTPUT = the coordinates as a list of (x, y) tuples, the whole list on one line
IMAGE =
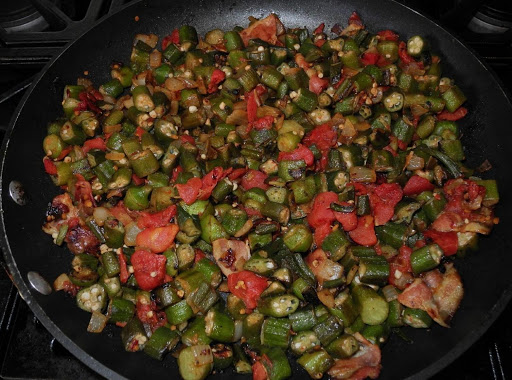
[(486, 130)]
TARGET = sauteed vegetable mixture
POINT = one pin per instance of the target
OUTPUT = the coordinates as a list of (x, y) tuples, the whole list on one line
[(264, 190)]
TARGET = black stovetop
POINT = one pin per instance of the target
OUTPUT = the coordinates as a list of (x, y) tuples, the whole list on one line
[(27, 349)]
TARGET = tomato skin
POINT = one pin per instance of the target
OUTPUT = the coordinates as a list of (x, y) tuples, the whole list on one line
[(156, 219), (217, 77), (64, 152), (173, 38), (355, 19), (122, 214), (252, 107), (123, 275), (237, 173), (49, 166), (137, 180), (139, 132), (188, 139), (259, 372), (458, 114), (323, 136), (254, 178), (144, 265), (247, 286), (388, 35), (364, 233), (157, 239), (370, 58), (448, 241), (190, 190), (96, 143), (300, 153), (210, 180), (416, 185), (317, 85), (264, 122), (319, 29)]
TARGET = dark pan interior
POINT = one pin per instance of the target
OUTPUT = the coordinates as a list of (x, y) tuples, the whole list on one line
[(26, 247)]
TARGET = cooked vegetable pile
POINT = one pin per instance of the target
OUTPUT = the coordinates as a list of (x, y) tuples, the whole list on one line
[(266, 190)]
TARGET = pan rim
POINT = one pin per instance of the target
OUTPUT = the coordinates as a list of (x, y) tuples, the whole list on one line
[(93, 363)]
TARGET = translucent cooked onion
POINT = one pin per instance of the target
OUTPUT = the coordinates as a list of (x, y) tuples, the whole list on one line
[(97, 322), (131, 232), (61, 282), (238, 330), (101, 214), (326, 297), (155, 59)]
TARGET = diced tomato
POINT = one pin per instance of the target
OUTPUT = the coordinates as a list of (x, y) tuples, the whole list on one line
[(173, 38), (348, 220), (448, 241), (247, 286), (49, 166), (199, 255), (139, 132), (156, 219), (416, 185), (121, 213), (96, 143), (252, 106), (166, 41), (149, 269), (382, 213), (187, 139), (322, 214), (355, 19), (210, 180), (458, 114), (259, 372), (321, 233), (388, 35), (402, 53), (300, 153), (123, 275), (267, 29), (217, 77), (83, 190), (319, 29), (370, 58), (323, 136), (137, 180), (177, 170), (190, 190), (319, 43), (383, 200), (64, 152), (317, 85), (237, 173), (254, 178), (364, 233), (264, 122), (157, 239)]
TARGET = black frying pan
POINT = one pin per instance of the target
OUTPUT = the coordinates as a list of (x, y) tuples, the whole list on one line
[(486, 274)]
